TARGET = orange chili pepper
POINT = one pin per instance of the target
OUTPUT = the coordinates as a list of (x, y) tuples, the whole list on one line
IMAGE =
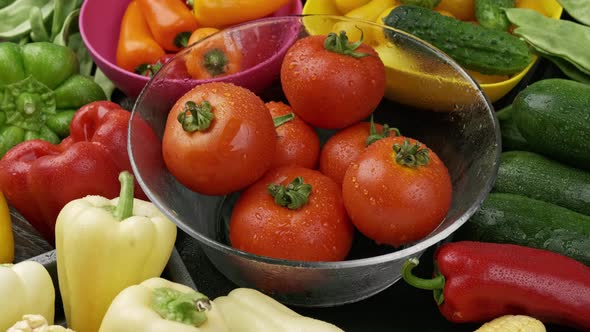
[(218, 14), (136, 45), (201, 33), (170, 21), (214, 57)]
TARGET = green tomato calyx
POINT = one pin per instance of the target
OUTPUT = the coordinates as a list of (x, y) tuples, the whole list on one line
[(411, 155), (293, 196), (196, 117)]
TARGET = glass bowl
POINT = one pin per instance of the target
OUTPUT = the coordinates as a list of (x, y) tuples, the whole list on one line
[(453, 118)]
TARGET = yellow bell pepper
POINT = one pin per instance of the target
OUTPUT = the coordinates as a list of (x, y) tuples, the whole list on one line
[(513, 323), (248, 310), (159, 305), (103, 246), (36, 323), (344, 6), (25, 288), (219, 14), (6, 237)]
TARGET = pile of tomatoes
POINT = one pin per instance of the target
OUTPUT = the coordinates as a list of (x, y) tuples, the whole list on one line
[(301, 200)]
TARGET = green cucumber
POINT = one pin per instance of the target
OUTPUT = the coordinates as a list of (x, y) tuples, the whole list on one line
[(515, 219), (490, 13), (485, 50), (553, 117), (535, 176), (511, 137)]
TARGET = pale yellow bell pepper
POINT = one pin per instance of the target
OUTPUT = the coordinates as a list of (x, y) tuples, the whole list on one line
[(36, 323), (159, 305), (104, 246), (6, 236), (248, 310), (25, 288)]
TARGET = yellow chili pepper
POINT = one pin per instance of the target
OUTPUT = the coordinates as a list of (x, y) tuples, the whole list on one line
[(219, 14), (6, 237)]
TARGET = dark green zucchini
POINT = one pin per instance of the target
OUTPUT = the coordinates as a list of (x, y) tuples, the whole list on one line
[(532, 175), (474, 47), (509, 218), (553, 117), (490, 13)]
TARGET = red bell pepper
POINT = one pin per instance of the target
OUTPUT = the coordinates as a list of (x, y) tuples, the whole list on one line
[(39, 178), (477, 282)]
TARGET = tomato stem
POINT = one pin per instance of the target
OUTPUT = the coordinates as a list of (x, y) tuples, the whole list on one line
[(411, 155), (293, 196), (215, 62), (282, 119), (340, 44), (374, 136), (196, 117), (435, 284)]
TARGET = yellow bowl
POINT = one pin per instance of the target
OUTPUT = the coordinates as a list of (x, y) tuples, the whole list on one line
[(405, 91)]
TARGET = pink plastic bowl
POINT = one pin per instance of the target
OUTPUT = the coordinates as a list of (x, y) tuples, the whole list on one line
[(100, 22)]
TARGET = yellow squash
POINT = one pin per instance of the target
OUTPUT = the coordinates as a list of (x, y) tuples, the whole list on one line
[(25, 288), (6, 237), (104, 246)]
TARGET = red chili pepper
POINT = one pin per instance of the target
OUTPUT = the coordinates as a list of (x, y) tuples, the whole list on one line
[(478, 282), (39, 178)]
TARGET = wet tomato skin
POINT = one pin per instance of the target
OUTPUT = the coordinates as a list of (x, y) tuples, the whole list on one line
[(394, 204), (342, 148), (318, 231), (331, 90), (297, 142), (237, 148)]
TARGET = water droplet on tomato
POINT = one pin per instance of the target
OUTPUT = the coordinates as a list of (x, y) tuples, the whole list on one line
[(258, 216), (365, 192)]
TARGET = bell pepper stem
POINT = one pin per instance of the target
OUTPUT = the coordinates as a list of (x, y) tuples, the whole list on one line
[(282, 119), (435, 284), (215, 62), (124, 207), (186, 308)]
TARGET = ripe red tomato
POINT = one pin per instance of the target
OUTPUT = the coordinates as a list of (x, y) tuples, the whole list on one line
[(396, 193), (332, 88), (297, 143), (345, 146), (314, 228), (219, 138)]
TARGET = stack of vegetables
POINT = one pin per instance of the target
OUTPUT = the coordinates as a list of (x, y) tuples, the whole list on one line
[(153, 30)]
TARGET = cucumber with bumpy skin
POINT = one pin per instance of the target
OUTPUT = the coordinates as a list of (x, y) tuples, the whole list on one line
[(487, 51), (515, 219), (532, 175), (490, 13)]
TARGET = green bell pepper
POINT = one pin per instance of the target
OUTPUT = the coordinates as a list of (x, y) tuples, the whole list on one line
[(40, 90)]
